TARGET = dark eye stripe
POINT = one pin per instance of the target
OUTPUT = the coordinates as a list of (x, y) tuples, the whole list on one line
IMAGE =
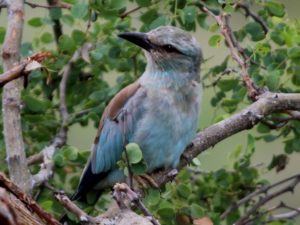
[(171, 48)]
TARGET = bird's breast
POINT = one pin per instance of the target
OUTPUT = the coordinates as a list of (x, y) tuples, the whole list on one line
[(168, 124)]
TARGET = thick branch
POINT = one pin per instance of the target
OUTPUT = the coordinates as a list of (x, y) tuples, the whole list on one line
[(11, 99), (29, 64), (27, 200), (114, 215), (266, 104)]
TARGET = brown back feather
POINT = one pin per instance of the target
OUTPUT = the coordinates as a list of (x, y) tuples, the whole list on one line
[(116, 104)]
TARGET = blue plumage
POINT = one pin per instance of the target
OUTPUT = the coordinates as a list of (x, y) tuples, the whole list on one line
[(158, 112)]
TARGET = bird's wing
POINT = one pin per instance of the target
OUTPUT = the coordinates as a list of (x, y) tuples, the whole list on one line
[(115, 126), (116, 123)]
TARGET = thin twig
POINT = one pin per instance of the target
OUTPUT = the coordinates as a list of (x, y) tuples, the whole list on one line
[(236, 51), (254, 16), (58, 5), (125, 14), (288, 188), (71, 207), (259, 191)]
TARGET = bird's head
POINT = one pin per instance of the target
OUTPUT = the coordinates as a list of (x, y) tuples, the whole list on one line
[(168, 48)]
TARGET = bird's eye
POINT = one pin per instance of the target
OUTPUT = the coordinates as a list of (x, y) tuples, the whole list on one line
[(170, 48)]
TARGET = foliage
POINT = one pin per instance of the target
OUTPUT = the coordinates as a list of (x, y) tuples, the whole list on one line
[(275, 58)]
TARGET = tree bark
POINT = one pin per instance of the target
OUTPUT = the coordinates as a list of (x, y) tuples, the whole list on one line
[(11, 99)]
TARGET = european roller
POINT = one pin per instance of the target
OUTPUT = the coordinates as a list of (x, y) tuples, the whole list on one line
[(159, 111)]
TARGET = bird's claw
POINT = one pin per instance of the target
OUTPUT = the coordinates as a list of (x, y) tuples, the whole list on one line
[(145, 181)]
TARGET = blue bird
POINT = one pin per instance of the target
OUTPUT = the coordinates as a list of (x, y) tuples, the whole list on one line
[(159, 111)]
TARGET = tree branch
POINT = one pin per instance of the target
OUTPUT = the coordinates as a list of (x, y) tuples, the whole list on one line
[(254, 16), (256, 193), (29, 64), (266, 104), (27, 200), (47, 153), (288, 188), (11, 99), (237, 53), (58, 4)]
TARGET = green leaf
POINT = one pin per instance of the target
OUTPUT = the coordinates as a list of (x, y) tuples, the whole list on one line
[(134, 153), (66, 43), (70, 153), (152, 197), (183, 190), (255, 30), (275, 9), (250, 143), (227, 84), (279, 162), (263, 129), (68, 19), (160, 21), (229, 8), (201, 18), (79, 10), (35, 22), (215, 40), (47, 38), (235, 153), (139, 168), (78, 36), (116, 4), (294, 52), (197, 211), (47, 205), (166, 213), (59, 160), (26, 49), (35, 105), (273, 79), (143, 3), (190, 13), (2, 34), (55, 13)]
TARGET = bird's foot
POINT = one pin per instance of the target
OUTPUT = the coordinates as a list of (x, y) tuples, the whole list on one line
[(145, 181)]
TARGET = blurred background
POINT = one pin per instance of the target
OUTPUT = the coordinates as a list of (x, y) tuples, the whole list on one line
[(212, 159)]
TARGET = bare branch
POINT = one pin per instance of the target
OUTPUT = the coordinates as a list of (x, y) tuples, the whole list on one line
[(57, 28), (7, 213), (27, 200), (71, 207), (22, 68), (114, 215), (11, 98), (266, 104), (288, 188), (57, 5), (46, 154), (237, 53), (284, 216), (122, 193), (254, 16), (259, 191)]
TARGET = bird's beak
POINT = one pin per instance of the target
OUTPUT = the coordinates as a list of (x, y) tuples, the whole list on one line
[(138, 38)]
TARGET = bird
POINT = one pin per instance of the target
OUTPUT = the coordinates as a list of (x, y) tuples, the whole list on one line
[(159, 111)]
